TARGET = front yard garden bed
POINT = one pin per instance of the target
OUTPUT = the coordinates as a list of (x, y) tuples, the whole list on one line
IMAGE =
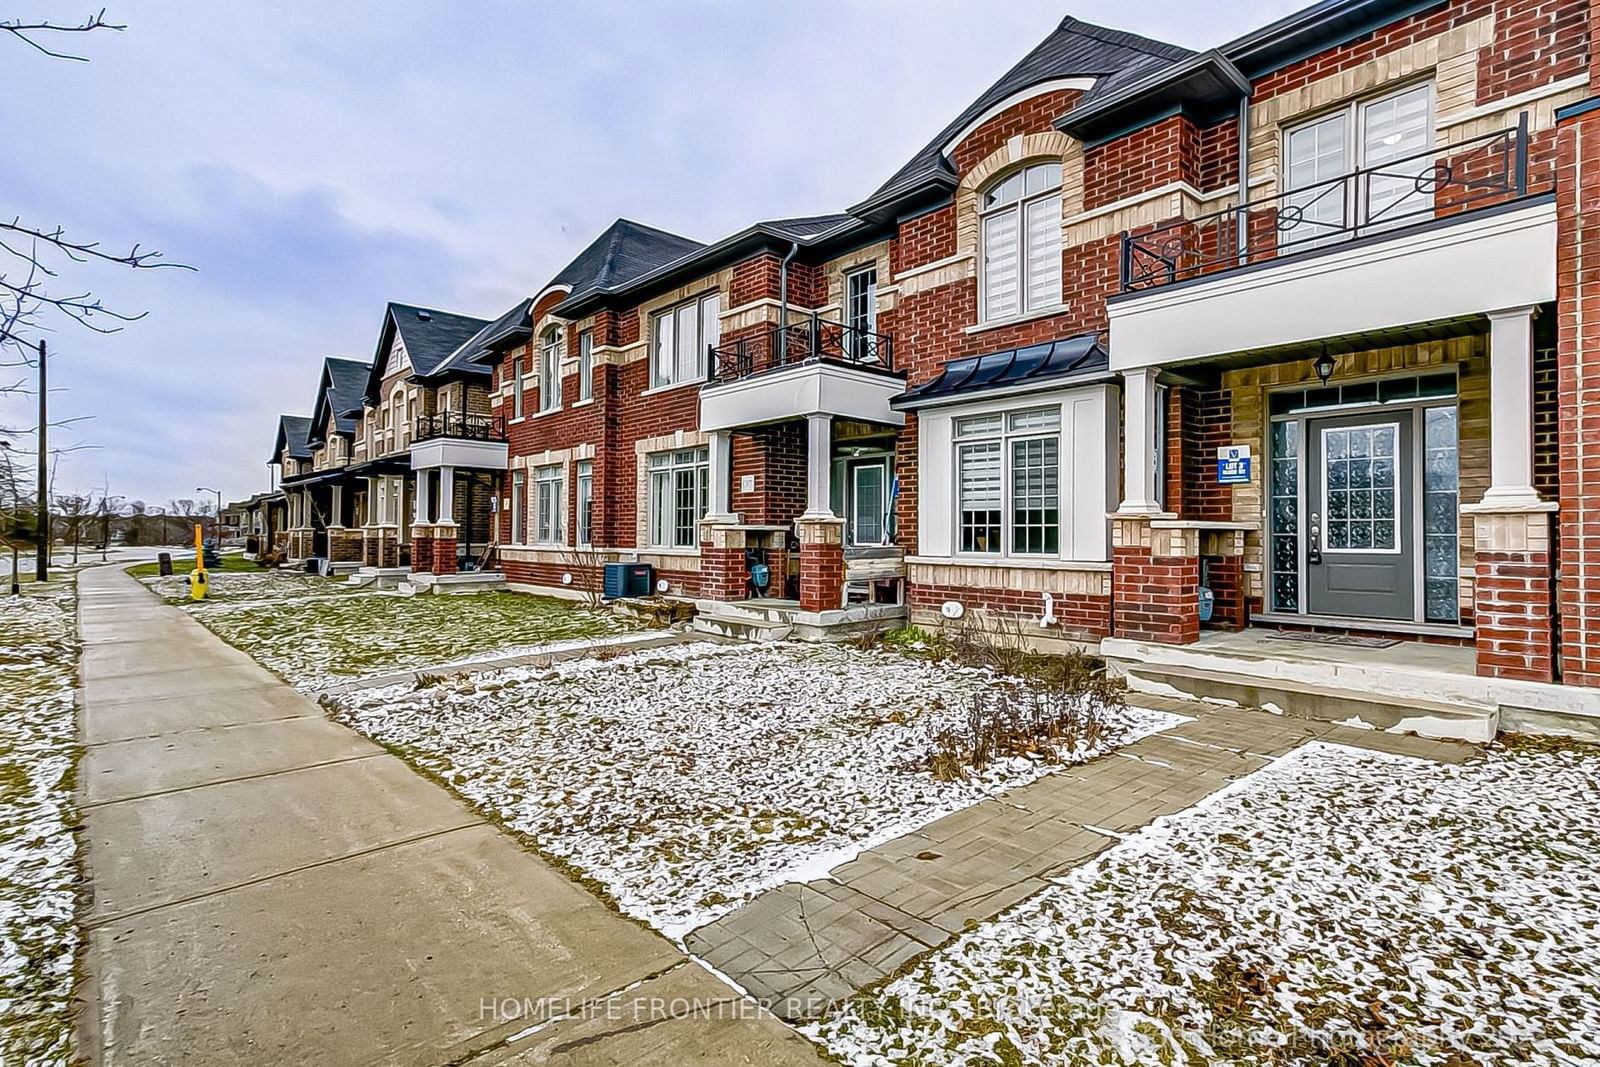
[(1336, 908), (684, 780), (38, 851)]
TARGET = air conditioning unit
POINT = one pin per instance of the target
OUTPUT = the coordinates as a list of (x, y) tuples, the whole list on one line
[(628, 579)]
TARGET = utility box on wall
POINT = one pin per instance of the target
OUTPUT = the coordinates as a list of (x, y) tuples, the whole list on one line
[(628, 579)]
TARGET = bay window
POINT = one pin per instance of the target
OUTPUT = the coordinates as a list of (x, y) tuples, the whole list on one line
[(679, 337), (547, 524), (679, 496), (1008, 483), (1020, 242)]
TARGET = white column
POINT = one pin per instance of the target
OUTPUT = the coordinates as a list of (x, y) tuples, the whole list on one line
[(720, 454), (371, 518), (306, 510), (422, 498), (1511, 409), (447, 495), (337, 517), (819, 466), (1139, 423)]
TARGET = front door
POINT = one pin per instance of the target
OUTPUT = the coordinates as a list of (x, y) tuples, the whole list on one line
[(869, 494), (1360, 551)]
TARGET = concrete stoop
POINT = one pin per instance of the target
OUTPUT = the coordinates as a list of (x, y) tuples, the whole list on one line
[(379, 577), (777, 620), (472, 582)]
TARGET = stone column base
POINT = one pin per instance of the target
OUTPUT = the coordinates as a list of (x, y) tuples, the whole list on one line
[(444, 549), (821, 563), (421, 549), (1513, 592), (1155, 580), (345, 545), (723, 574), (386, 545)]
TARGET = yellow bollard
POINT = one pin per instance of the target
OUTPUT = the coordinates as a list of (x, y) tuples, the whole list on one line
[(198, 579)]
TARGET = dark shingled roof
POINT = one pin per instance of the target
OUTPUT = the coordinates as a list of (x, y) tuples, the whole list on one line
[(1073, 49), (339, 391), (809, 227), (476, 356), (293, 431), (429, 335), (1033, 365), (625, 251)]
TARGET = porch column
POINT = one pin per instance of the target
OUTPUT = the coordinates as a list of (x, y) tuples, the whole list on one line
[(819, 466), (447, 495), (337, 514), (1511, 408), (423, 504), (720, 454), (1140, 419)]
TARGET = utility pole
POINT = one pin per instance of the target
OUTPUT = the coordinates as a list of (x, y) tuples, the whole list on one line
[(41, 565)]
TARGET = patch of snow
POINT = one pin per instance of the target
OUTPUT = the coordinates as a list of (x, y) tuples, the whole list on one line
[(1338, 905), (686, 779)]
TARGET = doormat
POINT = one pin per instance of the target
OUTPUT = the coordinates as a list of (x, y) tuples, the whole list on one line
[(1348, 640)]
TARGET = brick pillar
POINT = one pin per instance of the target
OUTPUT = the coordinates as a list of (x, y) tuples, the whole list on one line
[(1223, 551), (722, 569), (388, 538), (421, 549), (345, 545), (1512, 593), (1578, 359), (1155, 579), (821, 564), (369, 547), (444, 549)]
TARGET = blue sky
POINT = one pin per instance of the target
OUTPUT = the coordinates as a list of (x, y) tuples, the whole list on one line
[(315, 160)]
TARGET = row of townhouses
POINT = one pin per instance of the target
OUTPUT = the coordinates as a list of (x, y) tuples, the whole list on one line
[(1294, 334)]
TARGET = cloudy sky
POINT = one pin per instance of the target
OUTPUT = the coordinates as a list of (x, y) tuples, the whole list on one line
[(314, 160)]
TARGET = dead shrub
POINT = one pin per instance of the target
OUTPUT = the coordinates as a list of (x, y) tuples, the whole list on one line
[(425, 680)]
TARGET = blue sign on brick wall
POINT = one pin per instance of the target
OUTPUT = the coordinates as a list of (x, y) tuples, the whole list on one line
[(1233, 465)]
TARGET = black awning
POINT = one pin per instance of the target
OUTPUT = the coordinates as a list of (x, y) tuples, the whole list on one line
[(398, 463), (1033, 366)]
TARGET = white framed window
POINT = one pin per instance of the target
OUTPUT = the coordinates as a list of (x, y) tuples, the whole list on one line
[(861, 312), (550, 369), (679, 337), (679, 496), (519, 507), (1395, 128), (586, 365), (548, 505), (1008, 483), (1020, 242), (516, 387), (584, 484)]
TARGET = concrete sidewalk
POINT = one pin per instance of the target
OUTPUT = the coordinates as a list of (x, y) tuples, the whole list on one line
[(268, 887)]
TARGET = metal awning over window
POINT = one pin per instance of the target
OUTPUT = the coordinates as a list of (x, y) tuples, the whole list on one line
[(1072, 360)]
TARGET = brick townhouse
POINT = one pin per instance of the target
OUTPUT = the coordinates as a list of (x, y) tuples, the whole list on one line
[(1145, 347)]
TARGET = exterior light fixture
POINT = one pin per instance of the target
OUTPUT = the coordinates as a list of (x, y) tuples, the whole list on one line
[(1323, 366)]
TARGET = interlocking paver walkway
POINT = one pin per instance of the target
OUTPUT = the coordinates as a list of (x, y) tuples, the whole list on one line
[(802, 946)]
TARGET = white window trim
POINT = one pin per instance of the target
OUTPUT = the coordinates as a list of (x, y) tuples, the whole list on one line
[(1005, 436), (538, 480), (549, 371), (1019, 206), (582, 470), (585, 367), (652, 349), (702, 463)]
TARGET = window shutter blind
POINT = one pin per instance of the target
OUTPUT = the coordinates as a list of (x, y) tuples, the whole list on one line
[(1044, 252), (1000, 265)]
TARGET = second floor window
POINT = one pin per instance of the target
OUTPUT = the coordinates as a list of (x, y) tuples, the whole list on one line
[(679, 484), (1020, 242), (516, 388), (550, 370), (861, 313), (586, 365), (679, 338)]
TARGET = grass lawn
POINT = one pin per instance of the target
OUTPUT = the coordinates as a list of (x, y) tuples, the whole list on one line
[(232, 563), (316, 639), (1337, 908), (38, 853)]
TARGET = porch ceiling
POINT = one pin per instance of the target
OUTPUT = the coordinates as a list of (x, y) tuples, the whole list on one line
[(1206, 371)]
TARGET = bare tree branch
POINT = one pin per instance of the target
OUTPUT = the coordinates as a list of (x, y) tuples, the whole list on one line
[(26, 32)]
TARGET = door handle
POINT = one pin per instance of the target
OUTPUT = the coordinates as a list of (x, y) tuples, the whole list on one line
[(1314, 541)]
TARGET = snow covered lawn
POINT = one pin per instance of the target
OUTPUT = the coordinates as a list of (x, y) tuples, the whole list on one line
[(686, 779), (316, 641), (38, 853), (227, 586), (1337, 907)]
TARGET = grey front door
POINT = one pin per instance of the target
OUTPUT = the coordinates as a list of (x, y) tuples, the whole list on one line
[(1360, 551)]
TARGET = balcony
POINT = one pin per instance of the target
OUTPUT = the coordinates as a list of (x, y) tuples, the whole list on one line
[(1451, 233), (459, 439), (811, 366)]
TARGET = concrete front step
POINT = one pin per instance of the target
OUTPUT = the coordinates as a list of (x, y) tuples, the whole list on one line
[(742, 628), (1397, 712)]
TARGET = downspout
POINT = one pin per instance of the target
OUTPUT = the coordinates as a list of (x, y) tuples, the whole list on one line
[(1244, 180), (783, 301)]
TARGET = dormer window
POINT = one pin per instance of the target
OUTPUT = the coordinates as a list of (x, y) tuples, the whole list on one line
[(1020, 243)]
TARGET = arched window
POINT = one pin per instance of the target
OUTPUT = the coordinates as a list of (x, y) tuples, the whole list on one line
[(1020, 242), (550, 369)]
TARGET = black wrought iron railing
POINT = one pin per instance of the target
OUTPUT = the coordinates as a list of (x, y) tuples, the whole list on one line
[(809, 338), (1444, 181), (461, 426)]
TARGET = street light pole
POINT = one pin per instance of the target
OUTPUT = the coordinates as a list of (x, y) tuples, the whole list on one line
[(41, 565)]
